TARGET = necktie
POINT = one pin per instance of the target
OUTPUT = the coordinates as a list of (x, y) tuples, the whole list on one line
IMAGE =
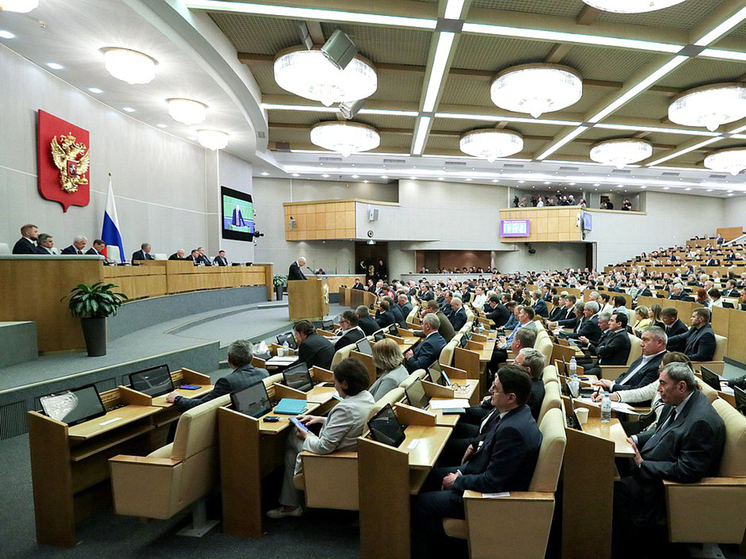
[(80, 252), (662, 430)]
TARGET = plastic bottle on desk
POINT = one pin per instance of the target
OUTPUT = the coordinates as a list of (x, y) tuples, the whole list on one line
[(573, 367), (606, 409), (286, 349)]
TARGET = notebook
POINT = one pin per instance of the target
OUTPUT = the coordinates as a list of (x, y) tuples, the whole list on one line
[(290, 406)]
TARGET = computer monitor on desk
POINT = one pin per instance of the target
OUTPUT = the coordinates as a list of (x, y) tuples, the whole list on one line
[(712, 379), (740, 395), (439, 377), (363, 346), (386, 428), (289, 338), (154, 382), (416, 395), (379, 335), (252, 401), (298, 377), (74, 406)]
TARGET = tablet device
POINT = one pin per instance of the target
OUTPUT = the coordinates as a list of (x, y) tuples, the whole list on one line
[(710, 378), (740, 395), (298, 377), (363, 346), (379, 335), (464, 341), (394, 330), (386, 428), (154, 382), (252, 401), (74, 406), (416, 395), (287, 337)]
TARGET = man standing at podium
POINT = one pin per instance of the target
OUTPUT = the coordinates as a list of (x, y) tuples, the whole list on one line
[(295, 272)]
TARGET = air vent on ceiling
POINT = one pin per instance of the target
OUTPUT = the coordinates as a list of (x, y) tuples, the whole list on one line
[(718, 176), (670, 174), (458, 163), (621, 171), (330, 159), (395, 161), (513, 166), (569, 168)]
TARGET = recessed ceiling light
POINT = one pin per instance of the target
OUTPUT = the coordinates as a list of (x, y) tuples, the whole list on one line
[(55, 66), (709, 190), (644, 186), (547, 182), (355, 176), (384, 177), (161, 126), (620, 186), (128, 109), (468, 180), (495, 180), (265, 173), (596, 184), (366, 182), (296, 175), (325, 176), (6, 34), (666, 187), (687, 189), (521, 182), (413, 178), (572, 184), (731, 194), (441, 179), (95, 90)]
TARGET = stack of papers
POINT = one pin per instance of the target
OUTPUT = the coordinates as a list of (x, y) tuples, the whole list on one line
[(280, 361), (615, 406), (448, 404)]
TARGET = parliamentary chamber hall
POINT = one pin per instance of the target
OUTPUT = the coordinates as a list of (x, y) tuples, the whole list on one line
[(385, 279)]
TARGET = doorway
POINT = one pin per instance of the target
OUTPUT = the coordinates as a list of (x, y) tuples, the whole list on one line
[(367, 259)]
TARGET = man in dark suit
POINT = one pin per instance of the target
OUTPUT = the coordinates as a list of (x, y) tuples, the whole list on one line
[(428, 350), (644, 369), (295, 272), (244, 375), (358, 285), (45, 245), (350, 333), (559, 311), (143, 253), (220, 259), (27, 243), (699, 341), (178, 255), (313, 349), (677, 293), (540, 306), (613, 347), (426, 294), (588, 325), (384, 315), (458, 316), (202, 258), (98, 249), (686, 446), (366, 322), (504, 462), (404, 306), (394, 308), (78, 246), (573, 315), (712, 262), (498, 313), (674, 327), (194, 257), (445, 329)]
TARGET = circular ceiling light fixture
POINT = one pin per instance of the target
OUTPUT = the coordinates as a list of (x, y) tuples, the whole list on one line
[(129, 65), (310, 74), (187, 111), (732, 160), (621, 152), (536, 88), (631, 6), (19, 6), (491, 144), (212, 139), (709, 105), (345, 137)]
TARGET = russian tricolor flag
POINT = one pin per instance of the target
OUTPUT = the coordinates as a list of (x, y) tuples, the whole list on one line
[(111, 234)]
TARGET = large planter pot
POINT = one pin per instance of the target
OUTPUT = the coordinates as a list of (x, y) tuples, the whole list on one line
[(279, 290), (94, 332)]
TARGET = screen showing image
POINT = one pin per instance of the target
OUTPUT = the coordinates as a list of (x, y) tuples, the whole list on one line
[(238, 215), (587, 221), (153, 382), (298, 377), (515, 227), (73, 406), (252, 401), (416, 395), (385, 427), (363, 346)]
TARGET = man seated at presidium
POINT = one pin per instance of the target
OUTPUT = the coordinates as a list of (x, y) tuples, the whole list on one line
[(339, 431), (295, 272), (505, 461), (27, 243), (220, 259), (178, 255), (143, 253), (244, 375), (78, 246), (46, 244)]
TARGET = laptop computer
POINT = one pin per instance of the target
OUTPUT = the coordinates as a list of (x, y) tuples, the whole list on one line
[(394, 330), (386, 428), (363, 346), (416, 395), (463, 342), (288, 337), (154, 382), (298, 377), (74, 406), (711, 378), (740, 395), (439, 377), (728, 305), (379, 335), (252, 400)]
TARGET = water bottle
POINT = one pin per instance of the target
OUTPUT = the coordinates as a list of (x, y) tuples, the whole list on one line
[(573, 367), (606, 409), (575, 386), (286, 348)]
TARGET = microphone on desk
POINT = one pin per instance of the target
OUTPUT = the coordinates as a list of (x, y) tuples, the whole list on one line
[(310, 270)]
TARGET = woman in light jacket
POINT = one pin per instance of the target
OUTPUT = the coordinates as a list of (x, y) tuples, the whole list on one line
[(388, 357), (339, 431)]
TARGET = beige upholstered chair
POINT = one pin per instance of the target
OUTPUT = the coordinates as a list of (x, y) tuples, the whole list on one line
[(413, 377), (550, 375), (717, 364), (635, 349), (517, 525), (707, 390), (342, 354), (552, 399), (173, 477), (720, 500), (446, 354), (544, 346)]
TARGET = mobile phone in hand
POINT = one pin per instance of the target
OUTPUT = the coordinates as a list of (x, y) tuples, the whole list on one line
[(295, 421)]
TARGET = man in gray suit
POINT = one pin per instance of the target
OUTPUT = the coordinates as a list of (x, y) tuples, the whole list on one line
[(244, 374)]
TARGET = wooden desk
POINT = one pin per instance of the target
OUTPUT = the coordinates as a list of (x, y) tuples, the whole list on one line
[(611, 431)]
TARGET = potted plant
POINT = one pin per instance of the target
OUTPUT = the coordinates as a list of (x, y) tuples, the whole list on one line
[(92, 304), (279, 283)]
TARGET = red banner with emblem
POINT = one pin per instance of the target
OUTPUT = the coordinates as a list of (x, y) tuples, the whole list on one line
[(64, 161)]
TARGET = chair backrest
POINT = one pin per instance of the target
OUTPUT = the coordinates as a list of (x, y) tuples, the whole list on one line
[(391, 397), (733, 463), (412, 378), (550, 374), (413, 314), (4, 248), (446, 354), (342, 354), (721, 347), (635, 348), (544, 346), (197, 429), (551, 400), (707, 390), (552, 452)]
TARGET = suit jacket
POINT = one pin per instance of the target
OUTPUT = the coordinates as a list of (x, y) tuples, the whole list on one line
[(398, 315), (220, 261), (368, 325), (590, 329), (446, 328), (175, 256), (43, 250), (70, 250), (699, 345), (570, 320), (458, 320), (141, 255), (558, 313), (499, 315), (24, 246), (239, 379), (643, 377), (202, 259), (348, 338), (359, 287), (536, 397), (405, 309), (680, 297), (295, 273), (684, 452), (674, 330), (507, 459), (426, 352), (427, 296), (317, 351), (385, 319), (540, 308), (614, 348)]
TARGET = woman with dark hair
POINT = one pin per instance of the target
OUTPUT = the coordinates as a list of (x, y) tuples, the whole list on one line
[(339, 431)]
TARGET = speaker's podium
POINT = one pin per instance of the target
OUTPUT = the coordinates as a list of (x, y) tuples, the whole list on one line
[(308, 299)]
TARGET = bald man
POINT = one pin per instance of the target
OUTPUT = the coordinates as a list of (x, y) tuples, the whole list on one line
[(295, 272)]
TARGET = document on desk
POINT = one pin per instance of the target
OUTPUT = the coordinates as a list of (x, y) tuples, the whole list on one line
[(446, 404), (495, 495), (281, 361), (615, 406)]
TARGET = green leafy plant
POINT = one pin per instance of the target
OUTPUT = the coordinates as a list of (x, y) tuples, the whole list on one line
[(94, 301), (279, 280)]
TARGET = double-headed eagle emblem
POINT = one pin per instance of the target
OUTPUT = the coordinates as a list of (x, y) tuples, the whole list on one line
[(72, 159)]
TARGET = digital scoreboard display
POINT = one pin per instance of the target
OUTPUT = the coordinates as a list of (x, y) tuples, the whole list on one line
[(515, 227)]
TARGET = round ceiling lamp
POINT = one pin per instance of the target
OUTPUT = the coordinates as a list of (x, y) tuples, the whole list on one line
[(212, 139), (490, 144), (536, 88), (129, 65), (731, 160), (19, 6), (621, 152), (709, 105), (345, 137), (631, 6), (187, 111), (310, 74)]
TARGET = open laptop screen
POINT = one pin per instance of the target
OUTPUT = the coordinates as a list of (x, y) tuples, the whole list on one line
[(416, 395), (710, 378), (74, 406), (363, 346), (154, 382), (298, 377), (289, 338), (252, 401), (386, 428), (379, 335)]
